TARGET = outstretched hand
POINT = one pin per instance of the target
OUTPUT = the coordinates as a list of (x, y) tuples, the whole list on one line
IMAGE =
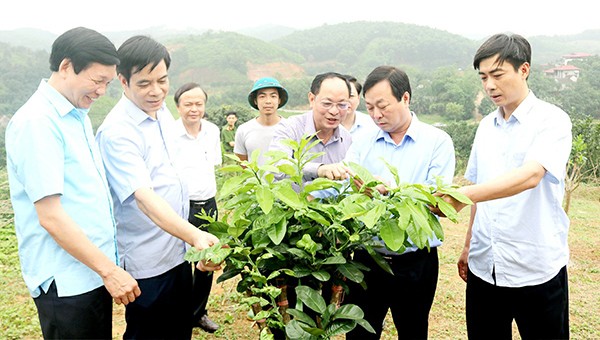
[(335, 171), (206, 240), (456, 204)]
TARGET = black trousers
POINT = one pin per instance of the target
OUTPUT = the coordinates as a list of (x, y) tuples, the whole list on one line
[(85, 316), (408, 293), (163, 310), (202, 281), (540, 312)]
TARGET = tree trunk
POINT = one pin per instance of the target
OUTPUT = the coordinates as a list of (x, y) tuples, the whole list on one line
[(337, 295), (282, 301), (256, 308)]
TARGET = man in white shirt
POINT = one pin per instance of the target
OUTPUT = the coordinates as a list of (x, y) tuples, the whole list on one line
[(199, 151), (516, 251), (267, 96)]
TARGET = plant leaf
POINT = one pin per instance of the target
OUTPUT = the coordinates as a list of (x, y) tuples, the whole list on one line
[(350, 271), (349, 311), (302, 317), (311, 298), (294, 331), (337, 327), (366, 325), (321, 275), (337, 259), (277, 231), (288, 196), (373, 215), (264, 196), (392, 234)]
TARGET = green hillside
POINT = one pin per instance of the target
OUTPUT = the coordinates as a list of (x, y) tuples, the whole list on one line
[(226, 63)]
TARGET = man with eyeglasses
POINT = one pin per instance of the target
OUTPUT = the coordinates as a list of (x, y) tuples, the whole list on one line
[(329, 99)]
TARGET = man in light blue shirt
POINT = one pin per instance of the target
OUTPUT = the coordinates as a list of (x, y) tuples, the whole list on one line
[(60, 196), (516, 251), (421, 153), (151, 201)]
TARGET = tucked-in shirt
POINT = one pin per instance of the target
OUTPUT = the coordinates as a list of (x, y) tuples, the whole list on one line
[(138, 153), (50, 150), (522, 238), (197, 157), (303, 125), (252, 136), (424, 154), (362, 123)]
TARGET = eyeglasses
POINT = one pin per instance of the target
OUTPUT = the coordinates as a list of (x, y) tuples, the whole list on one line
[(327, 105)]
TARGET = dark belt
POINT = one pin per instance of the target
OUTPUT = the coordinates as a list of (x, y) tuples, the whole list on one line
[(407, 256)]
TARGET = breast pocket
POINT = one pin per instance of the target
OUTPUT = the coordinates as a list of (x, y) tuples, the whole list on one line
[(517, 159)]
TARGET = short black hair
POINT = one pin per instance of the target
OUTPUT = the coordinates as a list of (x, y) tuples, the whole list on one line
[(397, 78), (512, 48), (357, 85), (140, 51), (315, 87), (231, 113), (82, 46)]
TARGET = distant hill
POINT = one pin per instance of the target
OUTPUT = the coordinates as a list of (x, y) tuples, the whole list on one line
[(361, 46), (226, 63), (551, 48), (31, 38)]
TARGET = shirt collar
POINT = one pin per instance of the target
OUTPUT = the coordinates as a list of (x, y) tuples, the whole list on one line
[(521, 112), (412, 132), (309, 127), (63, 105), (138, 115), (181, 131)]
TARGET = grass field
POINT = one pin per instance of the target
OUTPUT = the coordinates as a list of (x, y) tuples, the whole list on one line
[(18, 318)]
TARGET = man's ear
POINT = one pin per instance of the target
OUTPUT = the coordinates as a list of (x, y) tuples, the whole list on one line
[(525, 69), (64, 67), (311, 99), (123, 81)]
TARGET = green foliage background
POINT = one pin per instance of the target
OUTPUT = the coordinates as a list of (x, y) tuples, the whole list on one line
[(446, 89)]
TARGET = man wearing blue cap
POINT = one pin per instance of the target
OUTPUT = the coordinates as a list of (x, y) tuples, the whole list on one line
[(267, 96)]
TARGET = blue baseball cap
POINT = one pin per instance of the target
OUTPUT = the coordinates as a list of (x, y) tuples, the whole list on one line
[(264, 83)]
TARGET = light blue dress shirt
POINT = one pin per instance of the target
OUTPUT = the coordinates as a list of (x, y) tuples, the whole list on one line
[(424, 153), (51, 151), (522, 237), (138, 153), (362, 124)]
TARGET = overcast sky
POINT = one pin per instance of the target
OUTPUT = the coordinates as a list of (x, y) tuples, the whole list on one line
[(470, 18)]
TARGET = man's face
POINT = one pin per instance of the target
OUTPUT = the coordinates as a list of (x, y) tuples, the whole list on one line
[(331, 105), (90, 84), (231, 119), (192, 105), (505, 86), (148, 88), (387, 112), (267, 101), (354, 98)]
